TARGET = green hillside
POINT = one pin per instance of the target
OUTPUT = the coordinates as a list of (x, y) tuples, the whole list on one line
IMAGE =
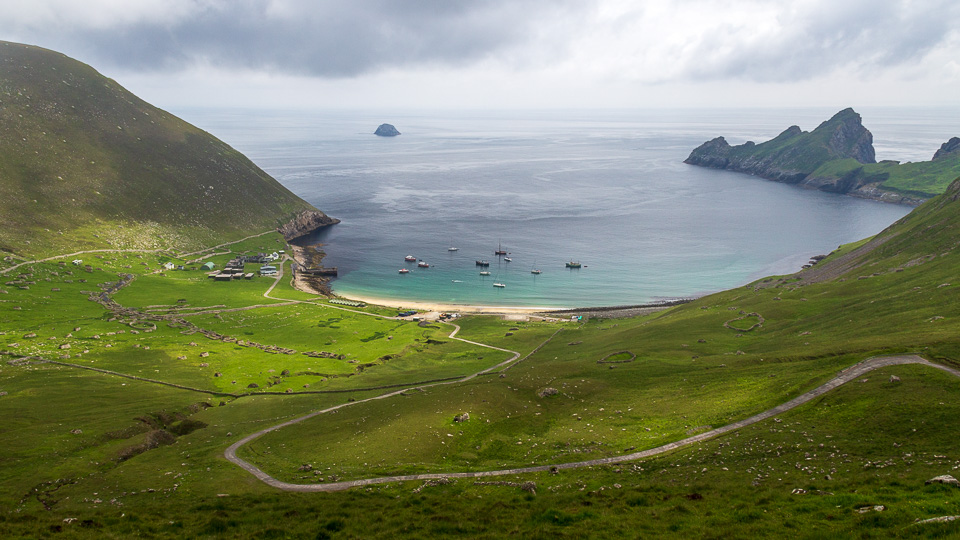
[(84, 163), (101, 453)]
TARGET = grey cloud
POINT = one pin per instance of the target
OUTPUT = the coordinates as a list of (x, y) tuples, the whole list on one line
[(860, 36), (328, 38)]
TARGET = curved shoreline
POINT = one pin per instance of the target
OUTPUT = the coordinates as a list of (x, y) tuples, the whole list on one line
[(843, 377)]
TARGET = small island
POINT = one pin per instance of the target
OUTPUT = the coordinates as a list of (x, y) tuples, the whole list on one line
[(386, 130)]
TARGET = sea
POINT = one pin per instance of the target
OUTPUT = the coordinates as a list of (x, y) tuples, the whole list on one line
[(604, 188)]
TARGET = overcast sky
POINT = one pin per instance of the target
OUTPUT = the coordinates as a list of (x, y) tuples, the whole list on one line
[(508, 53)]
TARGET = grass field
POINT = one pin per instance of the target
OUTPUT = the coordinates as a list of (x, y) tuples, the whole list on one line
[(94, 453)]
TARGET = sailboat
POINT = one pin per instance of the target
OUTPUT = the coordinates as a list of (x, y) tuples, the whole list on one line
[(500, 250), (499, 285)]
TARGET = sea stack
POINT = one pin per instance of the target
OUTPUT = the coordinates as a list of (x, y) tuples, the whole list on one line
[(386, 130)]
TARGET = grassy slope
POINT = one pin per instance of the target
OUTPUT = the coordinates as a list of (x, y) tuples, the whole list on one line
[(85, 163), (922, 179), (690, 372)]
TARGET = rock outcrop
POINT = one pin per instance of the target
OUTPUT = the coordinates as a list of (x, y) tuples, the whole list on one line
[(837, 157), (386, 130), (948, 148), (793, 155), (305, 223)]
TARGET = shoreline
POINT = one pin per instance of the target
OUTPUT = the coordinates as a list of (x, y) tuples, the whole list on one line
[(323, 288), (449, 307)]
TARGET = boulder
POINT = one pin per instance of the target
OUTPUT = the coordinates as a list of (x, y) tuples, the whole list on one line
[(547, 392), (461, 417), (943, 479), (894, 378)]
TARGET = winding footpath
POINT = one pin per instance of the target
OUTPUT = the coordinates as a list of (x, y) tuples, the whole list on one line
[(843, 377)]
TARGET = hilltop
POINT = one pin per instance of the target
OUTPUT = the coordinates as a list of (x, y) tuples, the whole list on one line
[(838, 156), (86, 164)]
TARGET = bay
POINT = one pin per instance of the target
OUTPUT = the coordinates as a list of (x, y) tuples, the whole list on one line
[(605, 188)]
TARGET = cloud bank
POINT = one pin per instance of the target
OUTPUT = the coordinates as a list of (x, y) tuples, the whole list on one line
[(574, 43)]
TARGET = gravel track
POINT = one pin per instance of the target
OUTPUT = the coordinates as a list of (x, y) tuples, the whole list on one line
[(843, 377)]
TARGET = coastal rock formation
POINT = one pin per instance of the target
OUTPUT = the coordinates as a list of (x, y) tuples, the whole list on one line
[(948, 148), (793, 155), (386, 130), (305, 223), (837, 157)]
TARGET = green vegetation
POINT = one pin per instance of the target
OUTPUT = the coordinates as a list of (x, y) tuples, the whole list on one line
[(122, 382), (134, 456), (85, 164)]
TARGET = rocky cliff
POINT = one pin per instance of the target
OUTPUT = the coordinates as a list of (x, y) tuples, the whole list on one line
[(305, 223), (794, 154), (951, 147), (838, 157)]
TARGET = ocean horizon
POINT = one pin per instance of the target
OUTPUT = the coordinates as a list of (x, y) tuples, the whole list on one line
[(606, 189)]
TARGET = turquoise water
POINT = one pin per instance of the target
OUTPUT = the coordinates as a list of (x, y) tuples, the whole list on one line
[(608, 189)]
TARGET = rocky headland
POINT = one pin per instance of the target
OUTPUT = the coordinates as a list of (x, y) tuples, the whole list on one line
[(386, 130), (305, 223), (838, 156)]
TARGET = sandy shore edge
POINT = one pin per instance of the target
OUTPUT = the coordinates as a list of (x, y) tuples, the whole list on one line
[(447, 307)]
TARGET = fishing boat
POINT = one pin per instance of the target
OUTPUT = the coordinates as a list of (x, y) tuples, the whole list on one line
[(536, 271), (508, 259), (404, 271), (573, 264), (499, 285), (484, 273), (423, 264), (451, 248), (500, 250), (410, 258), (483, 263)]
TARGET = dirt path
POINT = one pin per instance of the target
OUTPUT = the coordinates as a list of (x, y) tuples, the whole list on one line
[(185, 255), (74, 254), (843, 377)]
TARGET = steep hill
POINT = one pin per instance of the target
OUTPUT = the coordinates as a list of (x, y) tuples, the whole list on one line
[(85, 163), (837, 156)]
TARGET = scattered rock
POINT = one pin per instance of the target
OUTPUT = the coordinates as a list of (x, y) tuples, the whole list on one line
[(877, 508), (204, 354), (943, 479), (65, 346), (253, 385), (461, 417), (547, 392), (77, 431), (894, 378), (285, 373), (306, 467)]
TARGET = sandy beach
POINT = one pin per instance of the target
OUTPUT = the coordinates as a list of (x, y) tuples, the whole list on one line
[(450, 308)]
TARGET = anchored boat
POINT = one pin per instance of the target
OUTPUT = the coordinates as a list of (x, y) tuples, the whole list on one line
[(483, 263), (573, 264), (499, 285), (423, 264), (404, 271), (410, 258)]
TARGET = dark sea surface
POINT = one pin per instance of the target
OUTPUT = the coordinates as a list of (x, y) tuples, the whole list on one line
[(606, 188)]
